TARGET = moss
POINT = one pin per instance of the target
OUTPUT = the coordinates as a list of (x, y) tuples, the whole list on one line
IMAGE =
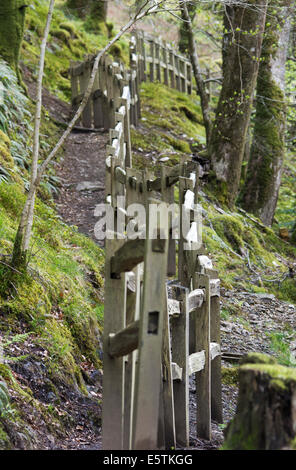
[(229, 228), (4, 439), (257, 358), (12, 17), (230, 376), (280, 376), (62, 35), (178, 144)]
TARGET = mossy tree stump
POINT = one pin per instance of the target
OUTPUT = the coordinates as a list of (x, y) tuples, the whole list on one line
[(266, 412)]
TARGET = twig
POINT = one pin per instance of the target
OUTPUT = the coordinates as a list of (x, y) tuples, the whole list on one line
[(11, 267)]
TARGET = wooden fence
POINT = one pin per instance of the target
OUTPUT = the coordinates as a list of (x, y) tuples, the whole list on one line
[(110, 81), (157, 332), (149, 59), (156, 60)]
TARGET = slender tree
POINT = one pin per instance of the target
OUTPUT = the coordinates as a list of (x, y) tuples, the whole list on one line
[(260, 193), (12, 18), (243, 33), (183, 30), (187, 33)]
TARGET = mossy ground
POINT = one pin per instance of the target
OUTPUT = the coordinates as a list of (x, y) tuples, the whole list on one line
[(69, 39)]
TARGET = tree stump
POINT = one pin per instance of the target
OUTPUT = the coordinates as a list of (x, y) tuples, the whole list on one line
[(266, 412)]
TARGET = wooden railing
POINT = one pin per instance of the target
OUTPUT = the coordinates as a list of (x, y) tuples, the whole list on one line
[(156, 332), (110, 81), (156, 60), (150, 59)]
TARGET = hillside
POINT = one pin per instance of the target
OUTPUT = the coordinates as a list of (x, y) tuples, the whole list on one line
[(51, 319)]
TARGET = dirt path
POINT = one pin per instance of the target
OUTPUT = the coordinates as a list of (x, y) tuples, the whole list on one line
[(82, 172)]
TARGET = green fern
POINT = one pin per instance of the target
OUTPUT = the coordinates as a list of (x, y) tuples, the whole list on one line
[(6, 410)]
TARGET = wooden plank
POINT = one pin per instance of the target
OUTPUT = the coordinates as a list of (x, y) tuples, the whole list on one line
[(128, 256), (177, 371), (216, 378), (215, 287), (130, 366), (180, 353), (87, 112), (195, 299), (196, 362), (113, 379), (215, 350), (203, 378), (125, 341), (148, 376), (167, 193), (174, 307)]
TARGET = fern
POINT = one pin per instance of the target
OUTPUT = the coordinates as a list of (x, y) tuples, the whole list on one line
[(5, 408), (13, 110)]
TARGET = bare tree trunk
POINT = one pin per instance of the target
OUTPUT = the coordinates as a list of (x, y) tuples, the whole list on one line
[(12, 18), (25, 229), (202, 91), (244, 25), (260, 193)]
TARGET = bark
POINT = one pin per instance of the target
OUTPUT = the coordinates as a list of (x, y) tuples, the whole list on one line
[(265, 418), (183, 31), (97, 9), (260, 193), (202, 91), (12, 18), (21, 245), (244, 25)]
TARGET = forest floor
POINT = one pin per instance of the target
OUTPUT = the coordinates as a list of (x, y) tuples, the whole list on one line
[(255, 320)]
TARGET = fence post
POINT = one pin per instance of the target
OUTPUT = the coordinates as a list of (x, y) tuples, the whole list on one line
[(113, 379), (180, 354), (203, 377), (148, 376), (152, 63), (87, 112)]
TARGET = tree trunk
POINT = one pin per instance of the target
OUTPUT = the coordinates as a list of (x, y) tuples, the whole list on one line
[(79, 7), (265, 418), (201, 89), (260, 193), (97, 9), (12, 17), (244, 26), (183, 31)]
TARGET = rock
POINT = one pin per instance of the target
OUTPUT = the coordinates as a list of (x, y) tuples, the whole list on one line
[(264, 296), (89, 186)]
